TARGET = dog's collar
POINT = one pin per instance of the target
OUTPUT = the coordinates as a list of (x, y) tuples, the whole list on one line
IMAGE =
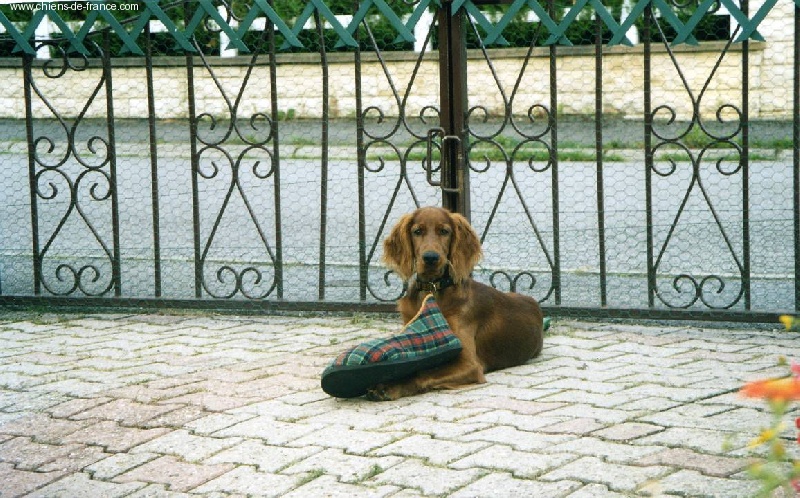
[(437, 285)]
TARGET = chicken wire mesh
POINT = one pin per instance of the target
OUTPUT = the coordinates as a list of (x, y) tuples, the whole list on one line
[(624, 159)]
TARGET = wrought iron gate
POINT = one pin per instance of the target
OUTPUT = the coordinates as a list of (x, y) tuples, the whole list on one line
[(675, 212)]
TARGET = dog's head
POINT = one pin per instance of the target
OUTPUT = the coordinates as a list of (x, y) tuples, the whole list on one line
[(429, 240)]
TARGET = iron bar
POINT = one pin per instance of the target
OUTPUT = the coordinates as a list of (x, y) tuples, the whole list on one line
[(116, 271), (553, 118), (195, 163), (598, 133), (796, 156), (746, 165), (648, 154), (276, 154), (363, 268), (323, 200), (27, 72), (154, 194)]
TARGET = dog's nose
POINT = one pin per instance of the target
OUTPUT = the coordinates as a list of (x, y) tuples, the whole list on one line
[(430, 257)]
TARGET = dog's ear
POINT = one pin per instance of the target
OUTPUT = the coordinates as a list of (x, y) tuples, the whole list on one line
[(398, 252), (465, 248)]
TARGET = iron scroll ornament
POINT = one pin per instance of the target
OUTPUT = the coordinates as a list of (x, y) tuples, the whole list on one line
[(73, 190)]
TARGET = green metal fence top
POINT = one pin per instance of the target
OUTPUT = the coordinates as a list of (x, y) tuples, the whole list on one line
[(129, 24)]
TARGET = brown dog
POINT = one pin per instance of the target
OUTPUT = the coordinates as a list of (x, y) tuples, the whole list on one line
[(497, 330)]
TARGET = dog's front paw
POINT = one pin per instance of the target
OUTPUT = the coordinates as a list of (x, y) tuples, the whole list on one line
[(383, 392)]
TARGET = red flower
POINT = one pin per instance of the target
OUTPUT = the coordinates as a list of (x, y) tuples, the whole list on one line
[(773, 389)]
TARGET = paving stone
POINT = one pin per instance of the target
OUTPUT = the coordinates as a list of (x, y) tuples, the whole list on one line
[(512, 405), (18, 482), (264, 457), (521, 422), (42, 427), (436, 451), (520, 393), (75, 460), (188, 447), (429, 480), (160, 491), (608, 451), (113, 437), (596, 491), (282, 411), (175, 418), (176, 475), (701, 440), (352, 441), (627, 431), (328, 486), (616, 477), (712, 465), (73, 387), (649, 404), (213, 402), (517, 439), (270, 430), (573, 426), (352, 419), (26, 454), (435, 428), (688, 415), (520, 464), (345, 467), (500, 485), (692, 483), (246, 480), (82, 486), (117, 464), (590, 355), (126, 412), (597, 399), (143, 393), (214, 422), (79, 405), (435, 411)]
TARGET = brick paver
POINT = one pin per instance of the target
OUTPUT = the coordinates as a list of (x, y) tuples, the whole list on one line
[(173, 405)]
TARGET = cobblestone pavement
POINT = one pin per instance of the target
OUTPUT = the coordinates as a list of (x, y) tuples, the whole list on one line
[(199, 405)]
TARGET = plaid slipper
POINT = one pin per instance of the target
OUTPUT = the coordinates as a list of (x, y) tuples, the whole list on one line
[(425, 342)]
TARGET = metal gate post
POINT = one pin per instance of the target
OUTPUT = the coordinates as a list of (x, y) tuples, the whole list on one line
[(453, 99)]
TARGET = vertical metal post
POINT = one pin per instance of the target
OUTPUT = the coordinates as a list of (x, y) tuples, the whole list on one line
[(116, 270), (746, 165), (453, 98), (27, 71), (363, 270), (198, 263), (648, 157), (553, 116), (323, 203), (598, 130), (154, 195), (273, 95), (796, 157)]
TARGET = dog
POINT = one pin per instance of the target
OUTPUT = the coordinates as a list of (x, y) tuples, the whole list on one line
[(435, 251)]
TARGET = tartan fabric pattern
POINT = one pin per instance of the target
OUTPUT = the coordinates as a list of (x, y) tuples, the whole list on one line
[(424, 334)]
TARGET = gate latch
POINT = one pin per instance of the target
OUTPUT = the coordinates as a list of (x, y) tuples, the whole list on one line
[(448, 141)]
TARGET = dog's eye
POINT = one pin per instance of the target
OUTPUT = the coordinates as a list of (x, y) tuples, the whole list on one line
[(444, 231), (416, 231)]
